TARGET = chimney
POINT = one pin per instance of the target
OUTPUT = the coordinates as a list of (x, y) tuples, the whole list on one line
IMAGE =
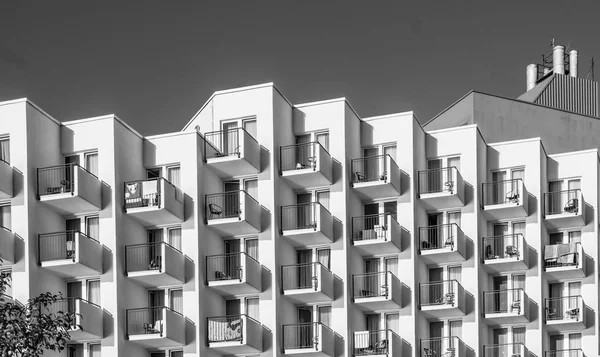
[(531, 76), (573, 65), (558, 59)]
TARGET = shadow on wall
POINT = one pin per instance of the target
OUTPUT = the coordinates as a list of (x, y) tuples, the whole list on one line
[(108, 323), (337, 171), (266, 276), (19, 249), (189, 273), (533, 259), (338, 291), (590, 318), (590, 266), (107, 264), (265, 219), (17, 187), (265, 160), (406, 348), (534, 314), (190, 334), (404, 187), (339, 345), (470, 302), (267, 338), (469, 197), (469, 252), (106, 198), (406, 300), (188, 211), (532, 207), (405, 244)]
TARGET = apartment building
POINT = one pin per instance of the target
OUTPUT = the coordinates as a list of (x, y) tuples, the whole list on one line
[(265, 228)]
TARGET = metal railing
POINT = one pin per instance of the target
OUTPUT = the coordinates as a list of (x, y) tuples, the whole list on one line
[(371, 227), (135, 196), (68, 306), (438, 180), (299, 156), (57, 179), (300, 336), (301, 276), (225, 143), (226, 328), (503, 301), (372, 168), (504, 350), (441, 346), (145, 256), (59, 245), (440, 293), (562, 202), (564, 308), (302, 216), (504, 246), (371, 285), (225, 205), (372, 343), (226, 266), (438, 237), (564, 257), (146, 320), (500, 192), (575, 352)]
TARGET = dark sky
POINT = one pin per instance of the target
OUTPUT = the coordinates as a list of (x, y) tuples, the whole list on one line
[(155, 63)]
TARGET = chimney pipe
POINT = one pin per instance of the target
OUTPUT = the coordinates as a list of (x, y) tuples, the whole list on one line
[(573, 65), (558, 59), (531, 76)]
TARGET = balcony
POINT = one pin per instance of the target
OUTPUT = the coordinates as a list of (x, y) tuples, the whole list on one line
[(375, 177), (308, 339), (508, 349), (7, 246), (576, 352), (443, 347), (154, 264), (233, 335), (232, 213), (505, 199), (442, 299), (154, 202), (564, 261), (232, 152), (376, 234), (306, 165), (505, 306), (69, 189), (87, 318), (565, 313), (155, 327), (6, 180), (442, 244), (564, 209), (377, 343), (70, 254), (442, 188), (377, 291), (234, 274), (505, 253), (307, 224), (307, 283)]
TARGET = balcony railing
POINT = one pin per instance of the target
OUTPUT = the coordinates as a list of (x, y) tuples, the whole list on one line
[(562, 255), (564, 308), (302, 216), (227, 266), (299, 156), (301, 276), (372, 343), (148, 320), (146, 256), (58, 179), (562, 202), (225, 143), (501, 247), (147, 193), (503, 301), (438, 180), (438, 293), (441, 347), (508, 349), (301, 336), (227, 328), (68, 306), (225, 205), (373, 168), (501, 192), (439, 237), (60, 245), (371, 285), (576, 352), (371, 227)]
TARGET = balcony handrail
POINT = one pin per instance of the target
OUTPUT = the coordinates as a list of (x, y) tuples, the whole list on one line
[(430, 183), (154, 308), (4, 161), (439, 169), (439, 240), (371, 285), (441, 338), (153, 243), (504, 344), (306, 204), (310, 323), (390, 214), (214, 318), (223, 193), (562, 191), (230, 254), (564, 297), (492, 183), (503, 251), (374, 273), (355, 166), (48, 168), (441, 282), (441, 225), (43, 235), (304, 144), (564, 352), (77, 298), (557, 202), (306, 264), (232, 129), (374, 156), (489, 292)]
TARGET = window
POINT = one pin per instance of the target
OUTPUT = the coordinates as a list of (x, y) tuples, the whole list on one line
[(91, 162), (506, 189), (5, 149), (564, 237), (75, 350), (92, 227), (93, 291), (174, 175), (251, 127), (325, 315), (175, 237), (94, 350), (253, 308), (250, 185), (252, 247), (176, 300), (153, 173), (5, 217)]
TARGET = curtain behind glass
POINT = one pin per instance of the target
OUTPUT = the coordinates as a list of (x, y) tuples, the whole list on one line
[(251, 127), (392, 322), (5, 150), (391, 265), (519, 335), (251, 188), (174, 176), (91, 163), (323, 257), (574, 341), (5, 217), (176, 353), (93, 227), (175, 238), (323, 199), (176, 300), (455, 273), (253, 308), (390, 150), (575, 237), (95, 350), (323, 139), (252, 248), (454, 161), (325, 315), (93, 287), (456, 328)]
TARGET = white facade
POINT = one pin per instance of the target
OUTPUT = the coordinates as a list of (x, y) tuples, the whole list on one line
[(265, 228)]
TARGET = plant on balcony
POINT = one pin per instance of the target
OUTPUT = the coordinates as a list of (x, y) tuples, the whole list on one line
[(27, 330)]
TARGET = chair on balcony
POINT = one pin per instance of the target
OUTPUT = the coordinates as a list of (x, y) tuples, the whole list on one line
[(70, 249), (513, 197), (360, 177), (572, 206), (383, 176), (573, 313), (450, 352), (516, 305), (449, 186), (512, 251), (446, 299), (449, 242), (215, 210)]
